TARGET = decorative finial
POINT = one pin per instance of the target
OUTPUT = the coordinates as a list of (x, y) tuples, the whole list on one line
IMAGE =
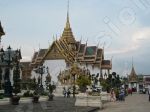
[(39, 46), (53, 38), (56, 37), (132, 61), (104, 45), (86, 41), (98, 44), (68, 23), (81, 39)]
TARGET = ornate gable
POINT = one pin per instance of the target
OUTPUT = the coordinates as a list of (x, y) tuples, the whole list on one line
[(53, 53)]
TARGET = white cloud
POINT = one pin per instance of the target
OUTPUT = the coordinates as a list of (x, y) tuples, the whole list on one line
[(26, 58), (137, 40)]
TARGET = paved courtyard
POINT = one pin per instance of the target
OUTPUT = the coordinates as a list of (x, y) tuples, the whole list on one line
[(59, 104), (134, 103)]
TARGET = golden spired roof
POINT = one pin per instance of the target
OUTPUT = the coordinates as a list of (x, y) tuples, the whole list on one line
[(67, 34), (133, 76)]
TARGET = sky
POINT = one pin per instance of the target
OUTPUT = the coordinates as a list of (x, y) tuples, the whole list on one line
[(121, 27)]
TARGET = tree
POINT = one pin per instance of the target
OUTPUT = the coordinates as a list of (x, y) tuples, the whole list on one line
[(113, 81), (17, 80), (82, 82)]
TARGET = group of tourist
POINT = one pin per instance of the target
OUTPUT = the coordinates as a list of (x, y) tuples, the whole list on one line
[(118, 95), (66, 93)]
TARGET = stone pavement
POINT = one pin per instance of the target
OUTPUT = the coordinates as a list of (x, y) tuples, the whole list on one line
[(134, 103), (59, 104)]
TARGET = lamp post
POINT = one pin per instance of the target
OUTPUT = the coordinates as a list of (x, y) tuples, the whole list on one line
[(7, 83), (1, 59), (8, 59), (41, 71)]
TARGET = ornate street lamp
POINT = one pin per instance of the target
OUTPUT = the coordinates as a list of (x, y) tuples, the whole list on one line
[(40, 71), (7, 83), (8, 59), (1, 60)]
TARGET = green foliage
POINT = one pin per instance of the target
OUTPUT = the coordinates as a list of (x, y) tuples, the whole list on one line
[(51, 88), (28, 94), (83, 81), (32, 84), (113, 81), (1, 95), (16, 79), (106, 85)]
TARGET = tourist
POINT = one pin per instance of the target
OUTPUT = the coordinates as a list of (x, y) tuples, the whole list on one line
[(130, 91), (112, 95), (122, 94), (68, 93), (64, 92)]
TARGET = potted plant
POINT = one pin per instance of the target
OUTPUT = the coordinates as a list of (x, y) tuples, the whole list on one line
[(51, 89), (16, 86), (15, 98), (49, 86), (35, 97), (83, 81), (35, 94)]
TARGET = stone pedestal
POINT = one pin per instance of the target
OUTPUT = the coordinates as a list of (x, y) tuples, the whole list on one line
[(91, 101)]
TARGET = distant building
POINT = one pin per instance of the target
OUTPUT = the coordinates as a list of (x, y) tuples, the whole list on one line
[(7, 64), (138, 82), (8, 61), (133, 80), (26, 70), (26, 74)]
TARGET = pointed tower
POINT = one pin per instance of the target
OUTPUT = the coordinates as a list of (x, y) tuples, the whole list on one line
[(133, 80), (67, 34), (133, 76), (1, 31)]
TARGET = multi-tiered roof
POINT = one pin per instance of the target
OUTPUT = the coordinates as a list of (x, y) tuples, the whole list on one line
[(133, 77), (66, 47)]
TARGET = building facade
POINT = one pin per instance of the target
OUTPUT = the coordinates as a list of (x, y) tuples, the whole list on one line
[(64, 51)]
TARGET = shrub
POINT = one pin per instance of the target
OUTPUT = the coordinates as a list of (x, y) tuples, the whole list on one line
[(1, 95), (28, 94), (82, 82)]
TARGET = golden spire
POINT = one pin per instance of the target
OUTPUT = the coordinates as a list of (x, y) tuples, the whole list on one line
[(67, 33), (68, 23), (132, 62), (133, 76)]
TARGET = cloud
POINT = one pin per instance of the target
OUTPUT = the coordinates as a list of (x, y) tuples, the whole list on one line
[(26, 58), (138, 40), (141, 34)]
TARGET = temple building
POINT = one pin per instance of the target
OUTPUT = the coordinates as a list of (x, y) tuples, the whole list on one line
[(133, 80), (64, 51), (25, 73), (9, 59)]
